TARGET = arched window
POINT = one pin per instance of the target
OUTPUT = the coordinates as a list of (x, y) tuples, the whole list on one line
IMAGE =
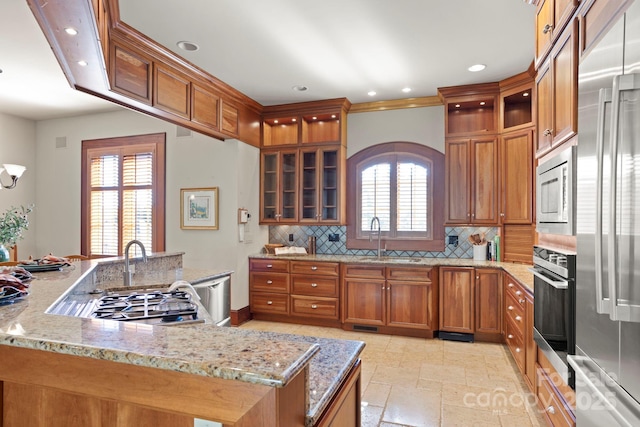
[(402, 184)]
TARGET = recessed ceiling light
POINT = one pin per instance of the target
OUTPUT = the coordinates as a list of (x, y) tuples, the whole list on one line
[(333, 116), (406, 89), (482, 102), (294, 120), (477, 67), (314, 118), (71, 31), (525, 94), (300, 88), (188, 46), (371, 93), (457, 105), (83, 63)]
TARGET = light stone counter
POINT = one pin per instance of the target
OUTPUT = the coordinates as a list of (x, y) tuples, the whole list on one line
[(199, 349), (519, 271)]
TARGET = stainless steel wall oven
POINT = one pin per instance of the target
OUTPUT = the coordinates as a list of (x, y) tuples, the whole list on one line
[(554, 307)]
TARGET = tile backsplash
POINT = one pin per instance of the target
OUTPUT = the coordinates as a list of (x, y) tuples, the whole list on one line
[(463, 249)]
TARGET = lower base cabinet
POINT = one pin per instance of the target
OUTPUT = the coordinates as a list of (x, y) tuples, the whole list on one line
[(344, 410), (395, 300), (555, 397)]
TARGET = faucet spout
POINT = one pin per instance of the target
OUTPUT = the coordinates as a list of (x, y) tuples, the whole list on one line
[(375, 221), (128, 275)]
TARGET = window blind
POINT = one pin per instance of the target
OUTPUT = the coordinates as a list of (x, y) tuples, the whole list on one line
[(376, 196), (412, 188)]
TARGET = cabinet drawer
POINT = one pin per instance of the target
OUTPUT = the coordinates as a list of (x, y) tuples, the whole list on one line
[(409, 273), (367, 271), (315, 268), (271, 282), (551, 403), (515, 290), (514, 310), (269, 303), (277, 265), (314, 285), (515, 342), (322, 307)]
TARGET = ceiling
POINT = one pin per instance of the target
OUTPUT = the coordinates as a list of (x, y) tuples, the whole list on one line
[(264, 48)]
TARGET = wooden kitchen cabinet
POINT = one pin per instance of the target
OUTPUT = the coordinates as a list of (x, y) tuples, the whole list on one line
[(471, 181), (314, 290), (518, 314), (488, 304), (390, 299), (457, 299), (269, 286), (279, 186), (551, 18), (557, 93), (322, 193), (516, 177)]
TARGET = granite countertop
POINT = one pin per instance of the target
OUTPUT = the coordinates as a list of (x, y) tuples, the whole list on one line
[(199, 349), (519, 271)]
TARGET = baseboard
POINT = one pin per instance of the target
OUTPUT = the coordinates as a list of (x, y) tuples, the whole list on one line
[(238, 317)]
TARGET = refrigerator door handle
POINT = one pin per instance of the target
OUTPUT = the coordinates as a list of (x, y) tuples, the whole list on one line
[(625, 312), (603, 305), (586, 370)]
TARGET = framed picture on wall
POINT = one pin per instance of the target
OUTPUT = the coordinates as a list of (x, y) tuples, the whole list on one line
[(199, 208)]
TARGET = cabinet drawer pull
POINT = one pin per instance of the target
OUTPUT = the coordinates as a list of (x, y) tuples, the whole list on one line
[(269, 265), (547, 132), (521, 301), (519, 318), (269, 302), (314, 306), (518, 293), (547, 28), (510, 336), (510, 307), (314, 285), (551, 410), (518, 350), (510, 285), (314, 268), (269, 282)]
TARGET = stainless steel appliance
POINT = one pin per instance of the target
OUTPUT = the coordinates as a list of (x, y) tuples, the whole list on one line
[(555, 189), (215, 296), (607, 359), (554, 288), (153, 307)]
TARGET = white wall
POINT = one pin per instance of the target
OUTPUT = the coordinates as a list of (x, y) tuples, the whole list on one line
[(18, 145), (420, 125), (194, 161)]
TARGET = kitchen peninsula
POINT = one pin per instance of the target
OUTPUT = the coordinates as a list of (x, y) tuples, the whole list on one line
[(74, 371)]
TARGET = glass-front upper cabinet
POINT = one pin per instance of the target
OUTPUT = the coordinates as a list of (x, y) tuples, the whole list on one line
[(279, 186), (320, 185)]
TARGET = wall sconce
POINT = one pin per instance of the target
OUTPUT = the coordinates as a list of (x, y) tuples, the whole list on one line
[(14, 171)]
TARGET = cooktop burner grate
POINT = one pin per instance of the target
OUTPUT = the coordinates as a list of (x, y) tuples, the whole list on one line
[(160, 306)]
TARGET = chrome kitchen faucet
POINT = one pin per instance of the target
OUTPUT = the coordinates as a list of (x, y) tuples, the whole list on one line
[(128, 275), (375, 220)]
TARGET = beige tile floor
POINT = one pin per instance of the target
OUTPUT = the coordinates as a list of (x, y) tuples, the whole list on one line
[(419, 382)]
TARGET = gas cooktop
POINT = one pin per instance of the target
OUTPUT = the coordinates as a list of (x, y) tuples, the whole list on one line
[(153, 307)]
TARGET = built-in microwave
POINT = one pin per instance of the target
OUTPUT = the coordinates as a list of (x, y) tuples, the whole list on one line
[(555, 185)]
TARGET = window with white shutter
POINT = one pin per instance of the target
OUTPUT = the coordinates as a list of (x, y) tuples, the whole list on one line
[(402, 184), (123, 194)]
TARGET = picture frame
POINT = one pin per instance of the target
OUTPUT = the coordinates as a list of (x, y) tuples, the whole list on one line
[(199, 208)]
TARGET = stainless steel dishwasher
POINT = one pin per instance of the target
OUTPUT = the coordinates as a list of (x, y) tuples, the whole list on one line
[(215, 296)]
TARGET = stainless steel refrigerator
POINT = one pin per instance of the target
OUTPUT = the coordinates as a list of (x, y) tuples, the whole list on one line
[(607, 360)]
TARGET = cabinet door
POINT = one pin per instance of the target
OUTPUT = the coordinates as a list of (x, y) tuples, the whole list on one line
[(531, 349), (364, 301), (488, 301), (457, 302), (544, 105), (484, 196), (279, 186), (516, 177), (309, 210), (329, 182), (565, 84), (457, 182), (544, 28), (409, 304)]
